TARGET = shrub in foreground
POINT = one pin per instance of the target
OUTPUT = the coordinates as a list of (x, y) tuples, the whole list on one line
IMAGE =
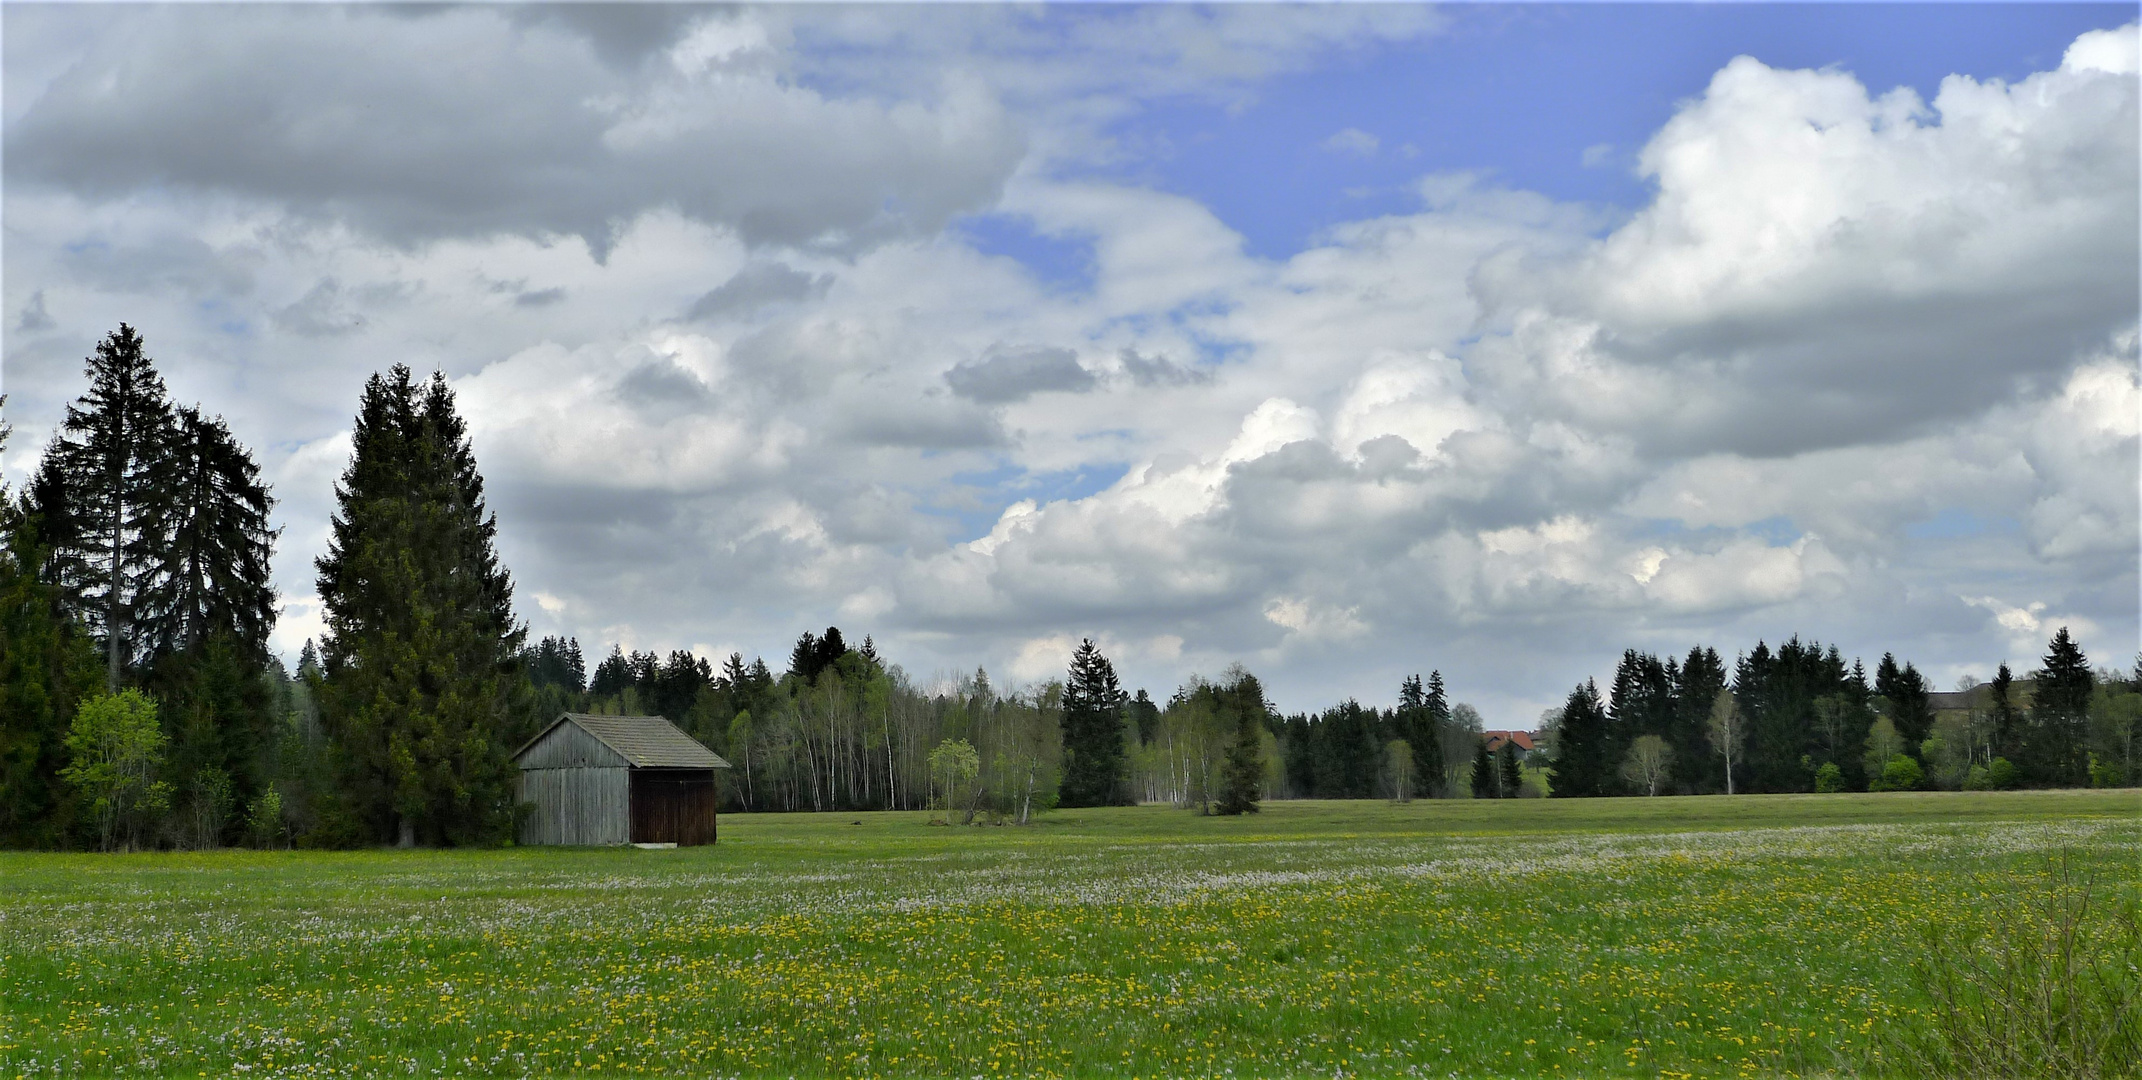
[(2051, 988)]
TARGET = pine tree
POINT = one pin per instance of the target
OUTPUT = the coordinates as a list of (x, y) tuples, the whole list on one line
[(210, 573), (1144, 716), (1093, 732), (97, 495), (424, 697), (1701, 677), (2059, 716), (1242, 775), (1581, 767), (1510, 775), (1910, 702), (1483, 772), (612, 676)]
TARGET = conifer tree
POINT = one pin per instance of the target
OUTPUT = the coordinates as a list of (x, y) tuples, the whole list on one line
[(424, 697), (1581, 767), (1701, 677), (46, 668), (1242, 773), (97, 494), (1144, 716), (1510, 776), (2060, 716), (210, 572), (1242, 776), (1093, 732), (1483, 772)]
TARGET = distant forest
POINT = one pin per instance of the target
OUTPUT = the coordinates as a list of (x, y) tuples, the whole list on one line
[(140, 705)]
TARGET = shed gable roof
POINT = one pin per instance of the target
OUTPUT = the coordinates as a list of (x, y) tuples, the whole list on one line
[(646, 742)]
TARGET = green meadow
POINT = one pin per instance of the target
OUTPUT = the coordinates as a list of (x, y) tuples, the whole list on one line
[(1714, 936)]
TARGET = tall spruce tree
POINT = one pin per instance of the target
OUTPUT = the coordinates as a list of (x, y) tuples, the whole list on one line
[(1242, 774), (1435, 718), (423, 694), (98, 495), (1696, 688), (1910, 701), (1093, 732), (1581, 767), (2059, 728), (1483, 776), (209, 572)]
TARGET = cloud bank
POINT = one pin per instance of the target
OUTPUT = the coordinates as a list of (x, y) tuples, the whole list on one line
[(1863, 369)]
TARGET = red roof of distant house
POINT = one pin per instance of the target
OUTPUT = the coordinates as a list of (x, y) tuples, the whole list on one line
[(1495, 739)]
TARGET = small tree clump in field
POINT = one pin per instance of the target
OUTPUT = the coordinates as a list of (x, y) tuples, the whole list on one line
[(1883, 743), (1398, 767), (1899, 773), (953, 766), (1727, 732), (1243, 774), (264, 819), (1645, 767), (1829, 778), (117, 749)]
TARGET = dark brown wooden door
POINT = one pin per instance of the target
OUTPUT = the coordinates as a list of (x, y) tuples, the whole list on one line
[(673, 806)]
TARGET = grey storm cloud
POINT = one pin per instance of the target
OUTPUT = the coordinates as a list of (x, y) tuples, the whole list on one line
[(458, 122), (755, 286), (1161, 371), (319, 313), (1015, 374)]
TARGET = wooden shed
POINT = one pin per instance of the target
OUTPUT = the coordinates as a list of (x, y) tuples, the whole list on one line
[(617, 780)]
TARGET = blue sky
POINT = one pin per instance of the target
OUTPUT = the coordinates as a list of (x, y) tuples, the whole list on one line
[(983, 329), (1520, 94)]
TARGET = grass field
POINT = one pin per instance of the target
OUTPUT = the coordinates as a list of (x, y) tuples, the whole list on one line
[(1693, 936)]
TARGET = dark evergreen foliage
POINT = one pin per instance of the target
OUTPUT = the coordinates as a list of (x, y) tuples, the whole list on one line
[(1093, 768), (46, 667), (556, 661), (423, 697), (1907, 699), (208, 568), (99, 490), (1242, 775), (1483, 773), (1696, 685), (1509, 772), (2058, 738), (1581, 766), (1144, 715)]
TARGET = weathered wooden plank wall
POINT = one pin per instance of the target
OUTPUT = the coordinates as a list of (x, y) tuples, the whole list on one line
[(576, 806), (567, 747)]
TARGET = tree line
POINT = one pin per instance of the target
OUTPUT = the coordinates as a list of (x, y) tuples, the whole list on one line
[(1800, 719), (141, 706)]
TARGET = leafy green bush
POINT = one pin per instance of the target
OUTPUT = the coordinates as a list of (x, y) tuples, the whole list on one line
[(1900, 774), (1829, 778), (2001, 775), (2105, 773)]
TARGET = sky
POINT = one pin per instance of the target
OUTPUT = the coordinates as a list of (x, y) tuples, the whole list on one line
[(1344, 342)]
